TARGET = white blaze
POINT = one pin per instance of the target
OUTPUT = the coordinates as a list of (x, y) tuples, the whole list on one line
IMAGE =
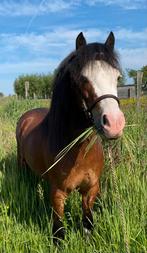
[(103, 77)]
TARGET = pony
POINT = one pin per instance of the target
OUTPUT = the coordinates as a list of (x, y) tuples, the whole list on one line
[(84, 95)]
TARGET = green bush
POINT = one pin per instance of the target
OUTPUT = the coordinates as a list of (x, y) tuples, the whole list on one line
[(40, 86)]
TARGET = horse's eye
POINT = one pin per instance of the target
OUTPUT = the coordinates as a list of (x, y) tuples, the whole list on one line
[(119, 78), (83, 80)]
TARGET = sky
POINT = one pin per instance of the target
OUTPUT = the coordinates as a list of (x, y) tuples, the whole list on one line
[(35, 36)]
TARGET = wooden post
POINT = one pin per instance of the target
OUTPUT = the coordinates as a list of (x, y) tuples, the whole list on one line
[(34, 95), (129, 93), (26, 89), (138, 87)]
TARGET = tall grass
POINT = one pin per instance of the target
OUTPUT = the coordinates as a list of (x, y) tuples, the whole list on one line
[(25, 212)]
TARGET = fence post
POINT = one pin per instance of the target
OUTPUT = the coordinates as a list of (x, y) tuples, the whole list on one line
[(34, 95), (138, 87), (26, 89)]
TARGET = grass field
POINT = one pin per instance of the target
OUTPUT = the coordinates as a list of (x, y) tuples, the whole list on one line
[(25, 213)]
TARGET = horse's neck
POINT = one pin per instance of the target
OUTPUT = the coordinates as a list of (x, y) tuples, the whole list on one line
[(65, 128), (66, 120)]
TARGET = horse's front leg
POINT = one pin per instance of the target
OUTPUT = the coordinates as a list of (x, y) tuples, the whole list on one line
[(58, 200), (88, 199)]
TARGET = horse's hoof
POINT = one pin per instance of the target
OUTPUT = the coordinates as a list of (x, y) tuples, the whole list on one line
[(87, 233)]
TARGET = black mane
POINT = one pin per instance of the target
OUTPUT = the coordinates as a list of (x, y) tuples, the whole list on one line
[(67, 117)]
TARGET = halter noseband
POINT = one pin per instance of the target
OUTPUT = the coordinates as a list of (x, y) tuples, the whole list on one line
[(101, 98), (88, 110)]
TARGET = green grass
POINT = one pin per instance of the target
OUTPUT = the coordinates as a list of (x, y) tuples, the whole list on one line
[(25, 212)]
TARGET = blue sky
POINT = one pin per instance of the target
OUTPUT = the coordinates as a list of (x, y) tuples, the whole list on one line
[(36, 35)]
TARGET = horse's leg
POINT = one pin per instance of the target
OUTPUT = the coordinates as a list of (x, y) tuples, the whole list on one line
[(19, 157), (21, 163), (58, 200), (88, 199)]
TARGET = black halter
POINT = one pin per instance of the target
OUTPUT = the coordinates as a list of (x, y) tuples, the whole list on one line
[(101, 98), (87, 110)]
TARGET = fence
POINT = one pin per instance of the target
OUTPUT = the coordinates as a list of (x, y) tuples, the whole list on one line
[(132, 91), (125, 91)]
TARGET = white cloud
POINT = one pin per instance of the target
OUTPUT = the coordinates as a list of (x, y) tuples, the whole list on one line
[(28, 8), (35, 66), (57, 44), (31, 8), (125, 4), (133, 58), (53, 41), (127, 34)]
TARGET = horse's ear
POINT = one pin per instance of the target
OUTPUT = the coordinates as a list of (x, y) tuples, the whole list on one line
[(110, 41), (80, 41)]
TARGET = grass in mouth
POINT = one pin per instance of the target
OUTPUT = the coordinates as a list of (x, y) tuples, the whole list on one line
[(81, 138)]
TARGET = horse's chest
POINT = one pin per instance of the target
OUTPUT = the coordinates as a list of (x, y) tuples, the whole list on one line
[(90, 178), (80, 178), (78, 169)]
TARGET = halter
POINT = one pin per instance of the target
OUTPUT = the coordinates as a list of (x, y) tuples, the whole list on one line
[(88, 110), (101, 98)]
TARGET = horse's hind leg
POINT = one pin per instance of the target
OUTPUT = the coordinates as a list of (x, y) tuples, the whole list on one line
[(88, 199), (58, 200), (20, 159), (19, 156)]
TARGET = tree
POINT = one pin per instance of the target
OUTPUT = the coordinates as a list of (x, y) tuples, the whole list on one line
[(39, 85), (144, 70), (47, 89), (1, 95), (133, 74), (122, 79)]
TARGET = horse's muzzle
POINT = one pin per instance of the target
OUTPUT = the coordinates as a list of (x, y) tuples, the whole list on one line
[(111, 125)]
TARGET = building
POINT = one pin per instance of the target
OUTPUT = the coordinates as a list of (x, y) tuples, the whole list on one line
[(127, 91)]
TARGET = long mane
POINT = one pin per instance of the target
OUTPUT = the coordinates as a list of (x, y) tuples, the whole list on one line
[(66, 115)]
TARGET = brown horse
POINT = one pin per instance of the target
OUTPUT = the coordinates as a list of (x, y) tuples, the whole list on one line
[(84, 94)]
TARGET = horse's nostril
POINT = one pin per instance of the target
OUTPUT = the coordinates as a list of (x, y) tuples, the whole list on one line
[(105, 120)]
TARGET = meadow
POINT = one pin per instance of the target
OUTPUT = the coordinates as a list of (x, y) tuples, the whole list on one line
[(25, 212)]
